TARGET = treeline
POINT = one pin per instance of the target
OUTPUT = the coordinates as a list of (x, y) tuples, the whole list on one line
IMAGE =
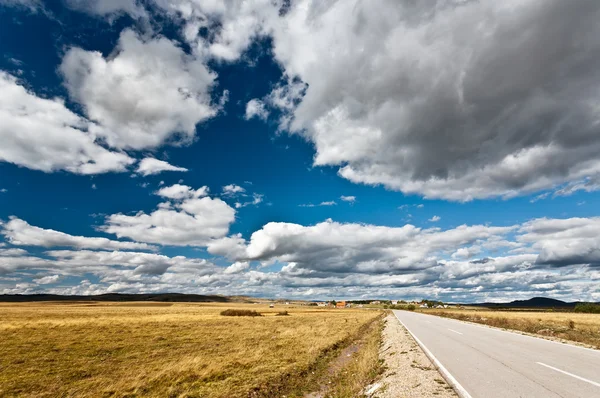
[(588, 308)]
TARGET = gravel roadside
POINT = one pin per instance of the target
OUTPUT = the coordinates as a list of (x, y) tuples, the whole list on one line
[(409, 373)]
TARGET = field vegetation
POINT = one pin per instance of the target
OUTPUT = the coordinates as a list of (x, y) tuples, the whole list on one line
[(183, 350), (579, 327)]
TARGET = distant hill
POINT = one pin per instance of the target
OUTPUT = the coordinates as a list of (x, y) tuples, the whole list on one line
[(536, 302), (163, 297)]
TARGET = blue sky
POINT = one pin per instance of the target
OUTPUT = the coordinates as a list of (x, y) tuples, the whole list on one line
[(310, 150)]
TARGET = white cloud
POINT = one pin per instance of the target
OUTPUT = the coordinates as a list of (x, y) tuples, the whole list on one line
[(231, 246), (3, 190), (21, 233), (256, 108), (149, 92), (192, 219), (151, 166), (240, 22), (435, 219), (178, 192), (326, 203), (237, 267), (335, 247), (349, 199), (232, 189), (42, 134), (257, 199), (47, 279), (108, 7), (339, 260), (505, 102), (31, 4), (497, 130), (562, 242), (588, 184)]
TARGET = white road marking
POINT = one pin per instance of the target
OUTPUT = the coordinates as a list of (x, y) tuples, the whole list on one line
[(501, 330), (460, 390), (452, 330), (570, 374)]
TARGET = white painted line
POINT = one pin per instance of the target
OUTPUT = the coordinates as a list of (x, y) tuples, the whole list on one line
[(516, 332), (460, 390), (570, 374), (452, 330)]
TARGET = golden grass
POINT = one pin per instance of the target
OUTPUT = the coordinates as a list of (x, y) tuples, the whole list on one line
[(583, 328), (363, 367), (174, 350)]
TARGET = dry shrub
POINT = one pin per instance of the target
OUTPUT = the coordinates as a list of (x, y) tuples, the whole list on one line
[(240, 313)]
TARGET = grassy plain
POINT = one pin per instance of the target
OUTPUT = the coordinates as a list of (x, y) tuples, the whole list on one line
[(173, 350), (582, 328)]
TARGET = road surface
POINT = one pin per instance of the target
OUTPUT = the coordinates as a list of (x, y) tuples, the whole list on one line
[(487, 362)]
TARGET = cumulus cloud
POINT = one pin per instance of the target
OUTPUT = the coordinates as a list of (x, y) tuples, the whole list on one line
[(192, 218), (482, 115), (179, 192), (237, 267), (336, 260), (147, 93), (108, 7), (335, 247), (47, 279), (435, 218), (42, 134), (257, 199), (563, 242), (256, 108), (30, 4), (349, 199), (21, 233), (588, 184), (151, 166), (428, 107), (232, 189)]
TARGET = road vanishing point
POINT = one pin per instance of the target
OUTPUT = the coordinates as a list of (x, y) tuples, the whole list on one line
[(479, 361)]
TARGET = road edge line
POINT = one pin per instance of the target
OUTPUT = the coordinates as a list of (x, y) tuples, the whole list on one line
[(566, 343), (458, 388)]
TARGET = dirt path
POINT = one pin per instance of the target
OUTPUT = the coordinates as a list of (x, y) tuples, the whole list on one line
[(409, 372)]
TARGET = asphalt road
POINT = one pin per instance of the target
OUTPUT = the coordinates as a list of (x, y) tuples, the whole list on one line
[(487, 362)]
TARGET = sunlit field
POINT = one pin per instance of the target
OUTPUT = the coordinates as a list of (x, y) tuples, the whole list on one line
[(583, 328), (164, 349)]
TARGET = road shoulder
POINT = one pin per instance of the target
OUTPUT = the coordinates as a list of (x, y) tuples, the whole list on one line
[(409, 373)]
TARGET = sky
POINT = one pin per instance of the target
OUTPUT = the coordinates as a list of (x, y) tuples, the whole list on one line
[(302, 149)]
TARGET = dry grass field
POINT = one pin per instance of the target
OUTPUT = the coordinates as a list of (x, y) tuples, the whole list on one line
[(583, 328), (173, 350)]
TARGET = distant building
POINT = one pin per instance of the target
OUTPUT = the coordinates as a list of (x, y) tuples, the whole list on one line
[(323, 304), (394, 302), (271, 305), (340, 304), (376, 302)]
